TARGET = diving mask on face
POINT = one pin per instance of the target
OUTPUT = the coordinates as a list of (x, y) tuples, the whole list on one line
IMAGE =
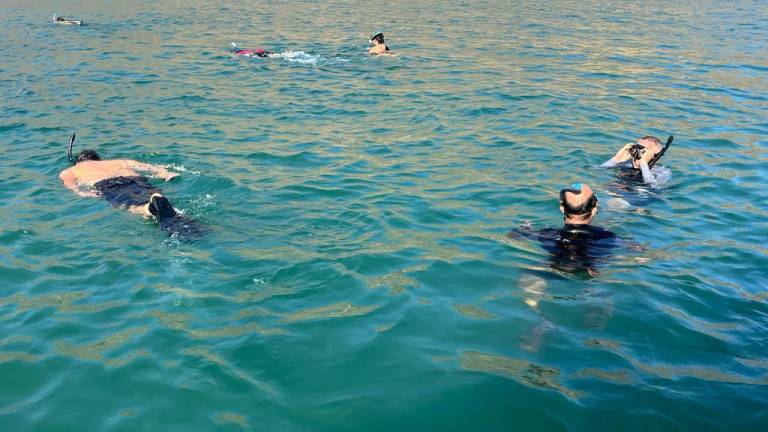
[(637, 151)]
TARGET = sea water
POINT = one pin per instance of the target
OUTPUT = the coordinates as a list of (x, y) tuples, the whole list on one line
[(357, 274)]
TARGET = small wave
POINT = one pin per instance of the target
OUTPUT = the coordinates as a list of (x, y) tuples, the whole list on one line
[(661, 177), (181, 168), (203, 202), (297, 57)]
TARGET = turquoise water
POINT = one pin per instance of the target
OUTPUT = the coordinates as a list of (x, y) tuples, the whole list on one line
[(357, 275)]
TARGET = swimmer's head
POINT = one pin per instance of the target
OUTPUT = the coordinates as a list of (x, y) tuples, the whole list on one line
[(650, 142), (377, 38), (578, 203), (87, 155)]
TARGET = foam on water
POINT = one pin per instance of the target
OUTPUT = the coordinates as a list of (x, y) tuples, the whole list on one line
[(298, 57)]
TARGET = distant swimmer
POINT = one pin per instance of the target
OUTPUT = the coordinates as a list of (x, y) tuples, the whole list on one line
[(379, 47), (65, 21), (118, 182), (578, 245), (258, 52), (637, 159)]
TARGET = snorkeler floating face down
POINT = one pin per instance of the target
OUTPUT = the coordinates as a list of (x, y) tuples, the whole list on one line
[(118, 181), (578, 204)]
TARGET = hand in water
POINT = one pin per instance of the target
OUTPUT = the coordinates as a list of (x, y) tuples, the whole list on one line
[(171, 176)]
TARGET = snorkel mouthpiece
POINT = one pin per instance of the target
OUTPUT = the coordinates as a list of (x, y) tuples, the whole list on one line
[(69, 148)]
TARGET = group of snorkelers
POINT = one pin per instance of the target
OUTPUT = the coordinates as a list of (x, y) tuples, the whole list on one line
[(578, 245), (377, 40), (119, 181)]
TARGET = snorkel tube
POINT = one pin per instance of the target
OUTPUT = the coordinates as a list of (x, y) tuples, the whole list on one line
[(69, 149), (658, 155)]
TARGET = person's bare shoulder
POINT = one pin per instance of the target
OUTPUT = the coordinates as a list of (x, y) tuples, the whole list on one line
[(68, 178), (66, 173)]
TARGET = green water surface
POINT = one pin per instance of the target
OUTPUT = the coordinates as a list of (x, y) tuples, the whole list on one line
[(357, 275)]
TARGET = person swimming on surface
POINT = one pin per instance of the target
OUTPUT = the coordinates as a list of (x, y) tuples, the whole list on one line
[(258, 52), (65, 21), (379, 47), (578, 245), (118, 182), (638, 158)]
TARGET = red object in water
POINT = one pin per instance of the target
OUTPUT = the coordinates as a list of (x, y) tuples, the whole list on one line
[(256, 51)]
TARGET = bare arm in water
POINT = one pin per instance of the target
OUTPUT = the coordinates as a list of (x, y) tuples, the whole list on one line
[(624, 155), (620, 157), (156, 171), (645, 168)]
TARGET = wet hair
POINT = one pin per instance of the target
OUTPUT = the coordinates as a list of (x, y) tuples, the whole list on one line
[(651, 137), (87, 155)]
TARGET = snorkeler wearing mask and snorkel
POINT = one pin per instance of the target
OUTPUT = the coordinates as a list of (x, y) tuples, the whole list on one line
[(578, 246), (124, 184), (379, 47), (641, 155)]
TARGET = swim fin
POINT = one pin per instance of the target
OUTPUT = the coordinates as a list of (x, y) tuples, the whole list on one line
[(161, 208)]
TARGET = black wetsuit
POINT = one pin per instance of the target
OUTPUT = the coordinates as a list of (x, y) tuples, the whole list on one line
[(574, 248), (126, 191)]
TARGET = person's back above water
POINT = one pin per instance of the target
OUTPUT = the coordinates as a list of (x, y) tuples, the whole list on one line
[(578, 245), (119, 182), (640, 157), (379, 46)]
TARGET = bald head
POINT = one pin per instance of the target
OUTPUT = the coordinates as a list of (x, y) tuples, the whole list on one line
[(578, 203)]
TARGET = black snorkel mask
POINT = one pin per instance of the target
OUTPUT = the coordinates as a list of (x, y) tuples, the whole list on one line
[(577, 210), (636, 151), (69, 150)]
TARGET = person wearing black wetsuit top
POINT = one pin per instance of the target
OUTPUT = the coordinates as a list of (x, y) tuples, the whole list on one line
[(636, 159), (578, 245)]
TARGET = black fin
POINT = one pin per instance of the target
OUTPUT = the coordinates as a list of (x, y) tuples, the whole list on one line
[(161, 208)]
